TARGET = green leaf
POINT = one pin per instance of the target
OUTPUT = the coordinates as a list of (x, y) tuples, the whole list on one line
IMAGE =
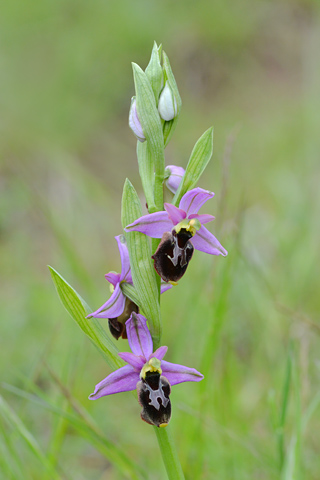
[(169, 127), (152, 129), (199, 159), (154, 71), (143, 273), (78, 309)]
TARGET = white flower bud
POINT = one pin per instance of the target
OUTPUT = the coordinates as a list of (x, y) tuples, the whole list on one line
[(134, 122), (175, 175), (167, 106)]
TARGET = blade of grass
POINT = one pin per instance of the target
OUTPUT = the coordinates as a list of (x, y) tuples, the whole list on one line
[(298, 418), (10, 460), (15, 422), (88, 430), (60, 424), (310, 411), (283, 409)]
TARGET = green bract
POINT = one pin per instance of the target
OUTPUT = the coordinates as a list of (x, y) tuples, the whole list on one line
[(152, 129), (199, 159), (154, 71), (169, 127), (146, 171), (130, 292), (143, 273)]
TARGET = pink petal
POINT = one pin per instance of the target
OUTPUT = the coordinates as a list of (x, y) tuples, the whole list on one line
[(124, 379), (113, 307), (165, 286), (124, 256), (204, 218), (154, 225), (175, 213), (206, 242), (113, 278), (139, 337), (179, 373), (136, 362), (193, 200), (159, 353)]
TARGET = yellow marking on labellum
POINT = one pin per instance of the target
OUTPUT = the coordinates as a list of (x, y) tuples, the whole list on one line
[(190, 225), (163, 425), (173, 283), (152, 366), (111, 287)]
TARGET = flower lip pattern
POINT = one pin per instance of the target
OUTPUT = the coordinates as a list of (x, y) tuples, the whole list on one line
[(180, 229), (147, 372), (173, 255), (156, 224), (119, 308)]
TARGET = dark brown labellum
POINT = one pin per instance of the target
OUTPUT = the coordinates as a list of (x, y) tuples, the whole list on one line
[(117, 325), (173, 255), (153, 396)]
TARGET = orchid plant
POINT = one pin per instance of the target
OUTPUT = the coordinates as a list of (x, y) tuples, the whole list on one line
[(149, 268)]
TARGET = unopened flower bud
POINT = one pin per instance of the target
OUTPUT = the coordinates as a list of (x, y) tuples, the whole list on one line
[(174, 175), (167, 106), (134, 122)]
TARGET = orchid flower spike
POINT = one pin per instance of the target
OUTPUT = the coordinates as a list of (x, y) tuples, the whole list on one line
[(181, 230), (173, 175), (148, 373), (119, 307)]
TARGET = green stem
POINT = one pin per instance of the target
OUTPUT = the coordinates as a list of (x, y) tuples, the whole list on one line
[(169, 453), (154, 245)]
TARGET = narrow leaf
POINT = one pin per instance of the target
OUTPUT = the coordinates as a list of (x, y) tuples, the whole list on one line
[(78, 309), (199, 159), (143, 273)]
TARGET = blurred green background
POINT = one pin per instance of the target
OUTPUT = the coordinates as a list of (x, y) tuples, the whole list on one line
[(250, 321)]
